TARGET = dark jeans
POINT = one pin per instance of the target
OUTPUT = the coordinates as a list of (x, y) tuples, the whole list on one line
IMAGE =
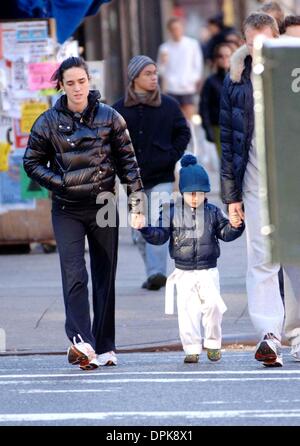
[(70, 225), (281, 283), (183, 99)]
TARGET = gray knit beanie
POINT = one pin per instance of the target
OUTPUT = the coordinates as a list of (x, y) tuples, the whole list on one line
[(137, 64)]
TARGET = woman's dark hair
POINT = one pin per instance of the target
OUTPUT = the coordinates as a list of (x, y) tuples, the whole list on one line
[(217, 20), (71, 62), (219, 47)]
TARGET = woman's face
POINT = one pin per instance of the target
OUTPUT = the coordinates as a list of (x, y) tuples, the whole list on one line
[(76, 86), (223, 58)]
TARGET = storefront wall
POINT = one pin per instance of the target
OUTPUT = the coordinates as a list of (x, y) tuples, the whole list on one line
[(124, 28)]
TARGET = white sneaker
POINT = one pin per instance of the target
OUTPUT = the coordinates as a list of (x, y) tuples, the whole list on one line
[(108, 359), (295, 352), (83, 354), (268, 351)]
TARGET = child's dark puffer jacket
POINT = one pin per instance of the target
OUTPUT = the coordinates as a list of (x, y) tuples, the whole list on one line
[(193, 234)]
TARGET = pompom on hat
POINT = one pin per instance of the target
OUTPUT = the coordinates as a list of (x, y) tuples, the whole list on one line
[(192, 176)]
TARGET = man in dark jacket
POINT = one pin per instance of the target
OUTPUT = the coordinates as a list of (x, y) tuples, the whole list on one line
[(194, 228), (240, 190), (160, 135)]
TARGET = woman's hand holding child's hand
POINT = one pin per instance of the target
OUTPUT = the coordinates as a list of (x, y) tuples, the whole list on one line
[(137, 221)]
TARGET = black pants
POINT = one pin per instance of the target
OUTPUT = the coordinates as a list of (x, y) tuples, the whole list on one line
[(70, 225), (281, 283)]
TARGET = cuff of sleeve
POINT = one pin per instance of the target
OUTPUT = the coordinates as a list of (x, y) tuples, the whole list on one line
[(144, 230), (56, 183), (136, 203)]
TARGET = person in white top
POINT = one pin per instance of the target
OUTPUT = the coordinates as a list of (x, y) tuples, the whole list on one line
[(180, 65)]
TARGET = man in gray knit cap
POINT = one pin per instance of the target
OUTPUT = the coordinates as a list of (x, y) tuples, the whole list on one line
[(160, 135)]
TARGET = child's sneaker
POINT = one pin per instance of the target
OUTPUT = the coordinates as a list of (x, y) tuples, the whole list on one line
[(83, 354), (214, 354), (268, 351), (107, 359), (189, 359)]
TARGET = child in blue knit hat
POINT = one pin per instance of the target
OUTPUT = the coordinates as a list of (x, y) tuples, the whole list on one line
[(193, 226)]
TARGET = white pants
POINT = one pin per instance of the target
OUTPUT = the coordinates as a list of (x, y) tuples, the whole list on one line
[(264, 300), (292, 303), (198, 298)]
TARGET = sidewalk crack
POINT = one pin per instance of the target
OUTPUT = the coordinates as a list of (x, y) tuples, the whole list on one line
[(43, 314)]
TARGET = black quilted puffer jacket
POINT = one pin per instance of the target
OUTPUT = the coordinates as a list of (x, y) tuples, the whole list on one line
[(77, 156)]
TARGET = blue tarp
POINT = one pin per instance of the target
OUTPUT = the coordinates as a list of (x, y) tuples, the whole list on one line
[(67, 13)]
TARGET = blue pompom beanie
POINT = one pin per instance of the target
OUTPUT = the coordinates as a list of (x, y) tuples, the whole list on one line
[(192, 176)]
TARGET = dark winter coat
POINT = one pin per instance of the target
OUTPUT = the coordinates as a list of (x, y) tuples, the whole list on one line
[(193, 240), (159, 136), (78, 156), (209, 108), (237, 125)]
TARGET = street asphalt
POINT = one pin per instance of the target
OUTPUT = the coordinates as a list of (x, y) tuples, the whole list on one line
[(149, 389)]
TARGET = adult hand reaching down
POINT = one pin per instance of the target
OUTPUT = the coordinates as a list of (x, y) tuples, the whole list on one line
[(236, 214)]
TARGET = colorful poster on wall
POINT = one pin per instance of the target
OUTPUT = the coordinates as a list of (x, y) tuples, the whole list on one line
[(19, 75), (20, 139), (4, 152), (10, 187), (3, 75), (27, 40), (97, 73), (30, 188), (5, 128), (5, 141), (68, 49), (30, 111), (40, 75)]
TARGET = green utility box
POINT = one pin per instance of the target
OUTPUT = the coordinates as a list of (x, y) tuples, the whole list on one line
[(277, 113)]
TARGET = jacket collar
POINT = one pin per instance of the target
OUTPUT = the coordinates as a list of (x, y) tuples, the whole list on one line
[(152, 99), (88, 113), (186, 219), (241, 64)]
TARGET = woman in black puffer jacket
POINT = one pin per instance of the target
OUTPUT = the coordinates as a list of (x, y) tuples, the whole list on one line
[(75, 150)]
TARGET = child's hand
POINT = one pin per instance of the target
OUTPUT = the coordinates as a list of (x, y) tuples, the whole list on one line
[(138, 221), (235, 220)]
